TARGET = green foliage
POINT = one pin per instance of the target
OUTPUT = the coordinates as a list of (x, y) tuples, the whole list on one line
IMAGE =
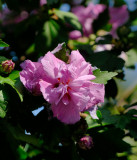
[(119, 3), (3, 44), (12, 80), (2, 58), (106, 60), (62, 52), (33, 30), (101, 21), (2, 105), (124, 120), (132, 58), (99, 115), (69, 18), (48, 36), (103, 76), (18, 5), (104, 142), (51, 2)]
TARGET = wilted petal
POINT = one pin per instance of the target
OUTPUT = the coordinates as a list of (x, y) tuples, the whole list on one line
[(57, 49), (92, 112)]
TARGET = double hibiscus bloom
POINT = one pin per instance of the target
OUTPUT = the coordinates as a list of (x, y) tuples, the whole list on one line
[(66, 86)]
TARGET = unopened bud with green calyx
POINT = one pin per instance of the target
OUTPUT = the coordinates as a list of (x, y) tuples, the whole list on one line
[(7, 66)]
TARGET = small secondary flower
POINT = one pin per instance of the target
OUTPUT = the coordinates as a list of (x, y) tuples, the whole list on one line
[(86, 16), (118, 17), (85, 142)]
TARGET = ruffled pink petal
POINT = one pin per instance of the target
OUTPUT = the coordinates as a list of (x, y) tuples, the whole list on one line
[(81, 80), (68, 114), (97, 92), (30, 75), (66, 99), (51, 66), (76, 60), (81, 98), (50, 93)]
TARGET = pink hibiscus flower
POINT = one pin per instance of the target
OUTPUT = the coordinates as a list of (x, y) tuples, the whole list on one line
[(70, 90), (43, 2), (118, 17), (67, 87), (86, 16)]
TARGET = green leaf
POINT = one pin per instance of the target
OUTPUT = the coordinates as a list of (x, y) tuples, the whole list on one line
[(2, 58), (108, 141), (106, 61), (51, 2), (3, 44), (70, 18), (50, 30), (23, 155), (2, 105), (0, 5), (103, 76), (99, 115), (119, 3), (101, 21), (11, 82), (132, 57), (49, 36), (14, 75), (61, 52)]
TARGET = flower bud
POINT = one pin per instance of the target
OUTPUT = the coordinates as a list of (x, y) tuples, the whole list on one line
[(85, 143), (7, 66)]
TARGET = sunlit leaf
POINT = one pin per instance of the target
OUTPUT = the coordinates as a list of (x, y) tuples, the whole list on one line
[(103, 76)]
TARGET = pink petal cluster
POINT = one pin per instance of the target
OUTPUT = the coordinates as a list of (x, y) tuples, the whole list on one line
[(43, 2), (31, 75), (118, 17), (67, 87), (86, 16), (8, 17)]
